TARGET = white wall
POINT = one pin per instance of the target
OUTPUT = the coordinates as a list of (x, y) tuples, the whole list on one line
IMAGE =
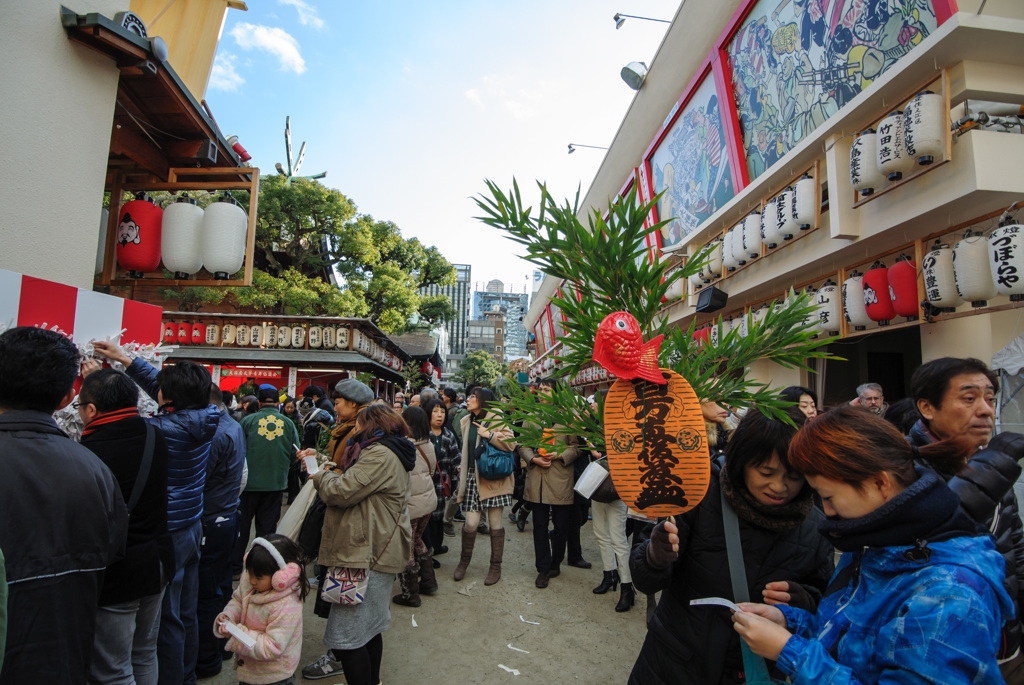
[(55, 118)]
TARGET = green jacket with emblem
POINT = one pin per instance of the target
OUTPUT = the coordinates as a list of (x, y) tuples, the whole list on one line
[(270, 439)]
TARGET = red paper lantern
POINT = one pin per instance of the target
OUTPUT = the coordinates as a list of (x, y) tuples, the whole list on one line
[(138, 236), (903, 287), (171, 333), (184, 333), (198, 333), (877, 299)]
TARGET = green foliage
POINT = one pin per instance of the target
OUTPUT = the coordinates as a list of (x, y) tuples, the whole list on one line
[(436, 309), (478, 367), (606, 269), (192, 299)]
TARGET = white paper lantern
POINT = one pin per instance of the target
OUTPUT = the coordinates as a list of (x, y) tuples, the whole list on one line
[(805, 202), (752, 235), (299, 336), (228, 334), (242, 335), (864, 173), (829, 305), (222, 241), (1006, 259), (744, 325), (342, 338), (256, 334), (739, 252), (328, 334), (269, 335), (180, 240), (714, 334), (212, 334), (315, 336), (853, 302), (759, 314), (891, 156), (676, 289), (939, 281), (284, 336), (787, 223), (728, 253), (971, 270), (925, 123), (771, 220), (715, 265)]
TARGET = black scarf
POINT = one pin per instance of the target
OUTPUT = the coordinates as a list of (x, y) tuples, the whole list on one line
[(778, 518), (927, 511)]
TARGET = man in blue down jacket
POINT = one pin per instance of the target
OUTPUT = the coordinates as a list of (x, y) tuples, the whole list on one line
[(188, 423)]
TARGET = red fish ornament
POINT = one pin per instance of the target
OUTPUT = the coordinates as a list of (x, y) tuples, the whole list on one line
[(619, 347)]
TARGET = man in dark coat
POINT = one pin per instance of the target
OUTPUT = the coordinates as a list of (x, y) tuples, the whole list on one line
[(62, 517), (128, 621)]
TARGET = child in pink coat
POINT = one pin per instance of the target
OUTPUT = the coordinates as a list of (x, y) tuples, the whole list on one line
[(267, 607)]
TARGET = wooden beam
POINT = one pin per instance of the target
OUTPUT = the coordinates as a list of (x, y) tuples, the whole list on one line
[(127, 143), (203, 151)]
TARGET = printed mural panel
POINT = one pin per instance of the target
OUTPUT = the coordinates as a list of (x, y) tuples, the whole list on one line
[(795, 63), (692, 164)]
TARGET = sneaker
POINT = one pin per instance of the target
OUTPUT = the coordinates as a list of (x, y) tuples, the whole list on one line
[(459, 516), (324, 667)]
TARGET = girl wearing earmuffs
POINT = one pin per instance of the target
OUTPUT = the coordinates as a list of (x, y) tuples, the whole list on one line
[(267, 606)]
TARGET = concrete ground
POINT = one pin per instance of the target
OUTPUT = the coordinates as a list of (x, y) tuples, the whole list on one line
[(463, 631)]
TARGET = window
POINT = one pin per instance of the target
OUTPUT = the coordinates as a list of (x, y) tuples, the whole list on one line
[(498, 348), (497, 330)]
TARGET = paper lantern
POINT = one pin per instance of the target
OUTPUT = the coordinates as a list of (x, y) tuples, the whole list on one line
[(805, 202), (696, 282), (212, 334), (1006, 259), (256, 335), (744, 325), (270, 335), (759, 314), (328, 334), (853, 302), (229, 334), (715, 265), (939, 281), (180, 240), (171, 333), (729, 260), (242, 335), (771, 220), (225, 226), (184, 333), (138, 236), (714, 333), (342, 338), (284, 336), (925, 124), (829, 302), (752, 235), (198, 333), (676, 289), (864, 173), (891, 157), (877, 300), (787, 223), (903, 287), (315, 336), (971, 270), (299, 336)]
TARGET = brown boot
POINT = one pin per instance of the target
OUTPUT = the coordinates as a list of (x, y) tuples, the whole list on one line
[(409, 581), (497, 552), (428, 580), (468, 541)]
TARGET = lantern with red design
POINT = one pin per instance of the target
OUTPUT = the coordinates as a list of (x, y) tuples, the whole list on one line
[(198, 333), (877, 300), (903, 287), (184, 333), (138, 236), (171, 333)]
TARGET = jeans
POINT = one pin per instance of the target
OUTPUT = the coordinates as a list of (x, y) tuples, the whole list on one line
[(550, 552), (178, 643), (124, 644), (214, 587), (265, 507)]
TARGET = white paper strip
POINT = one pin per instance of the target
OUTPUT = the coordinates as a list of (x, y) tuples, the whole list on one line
[(714, 601), (240, 634), (532, 623), (516, 649), (513, 671), (414, 624)]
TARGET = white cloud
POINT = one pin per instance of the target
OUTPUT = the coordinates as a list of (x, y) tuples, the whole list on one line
[(474, 96), (277, 42), (506, 92), (307, 13), (223, 75)]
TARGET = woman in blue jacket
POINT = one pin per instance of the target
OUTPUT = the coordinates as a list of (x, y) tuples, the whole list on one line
[(918, 595)]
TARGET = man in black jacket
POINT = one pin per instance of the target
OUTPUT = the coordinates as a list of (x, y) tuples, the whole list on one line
[(128, 620), (62, 517)]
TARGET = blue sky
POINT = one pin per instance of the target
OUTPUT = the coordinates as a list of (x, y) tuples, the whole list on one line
[(409, 106)]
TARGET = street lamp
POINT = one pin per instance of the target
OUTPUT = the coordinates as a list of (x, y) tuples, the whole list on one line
[(620, 19), (573, 146)]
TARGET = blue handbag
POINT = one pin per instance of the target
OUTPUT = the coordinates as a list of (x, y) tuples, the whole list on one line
[(494, 464)]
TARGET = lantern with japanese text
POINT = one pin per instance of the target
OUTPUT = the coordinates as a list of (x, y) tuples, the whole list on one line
[(171, 333), (891, 158), (744, 325), (257, 334), (728, 253), (1006, 259), (222, 242), (715, 263), (315, 336), (829, 302), (242, 335), (752, 234), (903, 287), (180, 238), (864, 174), (228, 334), (853, 301), (787, 223), (939, 281), (328, 335), (139, 231), (877, 300), (925, 124), (805, 202), (676, 288), (212, 334), (270, 334), (198, 333), (185, 333), (357, 340), (342, 338), (284, 336), (714, 333), (771, 222), (971, 270), (298, 336), (739, 244), (759, 314)]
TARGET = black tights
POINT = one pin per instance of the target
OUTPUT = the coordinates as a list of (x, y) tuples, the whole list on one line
[(362, 665)]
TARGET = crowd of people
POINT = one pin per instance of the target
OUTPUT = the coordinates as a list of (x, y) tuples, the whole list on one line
[(859, 543)]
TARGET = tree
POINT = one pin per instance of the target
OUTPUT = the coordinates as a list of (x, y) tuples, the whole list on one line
[(478, 367), (436, 309)]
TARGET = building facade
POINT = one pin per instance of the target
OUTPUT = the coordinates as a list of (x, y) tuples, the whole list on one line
[(459, 295), (513, 307)]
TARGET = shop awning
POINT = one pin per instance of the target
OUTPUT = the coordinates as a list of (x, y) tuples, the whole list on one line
[(292, 357)]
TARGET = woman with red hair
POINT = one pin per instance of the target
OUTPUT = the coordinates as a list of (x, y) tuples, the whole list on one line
[(918, 594)]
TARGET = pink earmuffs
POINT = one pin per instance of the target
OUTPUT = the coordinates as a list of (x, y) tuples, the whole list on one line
[(287, 574)]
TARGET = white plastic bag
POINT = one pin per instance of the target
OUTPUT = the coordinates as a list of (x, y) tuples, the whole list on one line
[(291, 522)]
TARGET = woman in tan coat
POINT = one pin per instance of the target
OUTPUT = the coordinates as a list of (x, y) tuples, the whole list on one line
[(419, 573), (477, 494)]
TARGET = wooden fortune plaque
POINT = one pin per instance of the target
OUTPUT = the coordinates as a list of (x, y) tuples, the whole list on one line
[(657, 445)]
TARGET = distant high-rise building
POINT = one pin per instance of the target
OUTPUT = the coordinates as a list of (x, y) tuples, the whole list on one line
[(459, 295), (538, 280), (494, 286), (513, 306)]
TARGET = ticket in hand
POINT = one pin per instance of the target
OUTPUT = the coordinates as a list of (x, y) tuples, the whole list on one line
[(240, 634)]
